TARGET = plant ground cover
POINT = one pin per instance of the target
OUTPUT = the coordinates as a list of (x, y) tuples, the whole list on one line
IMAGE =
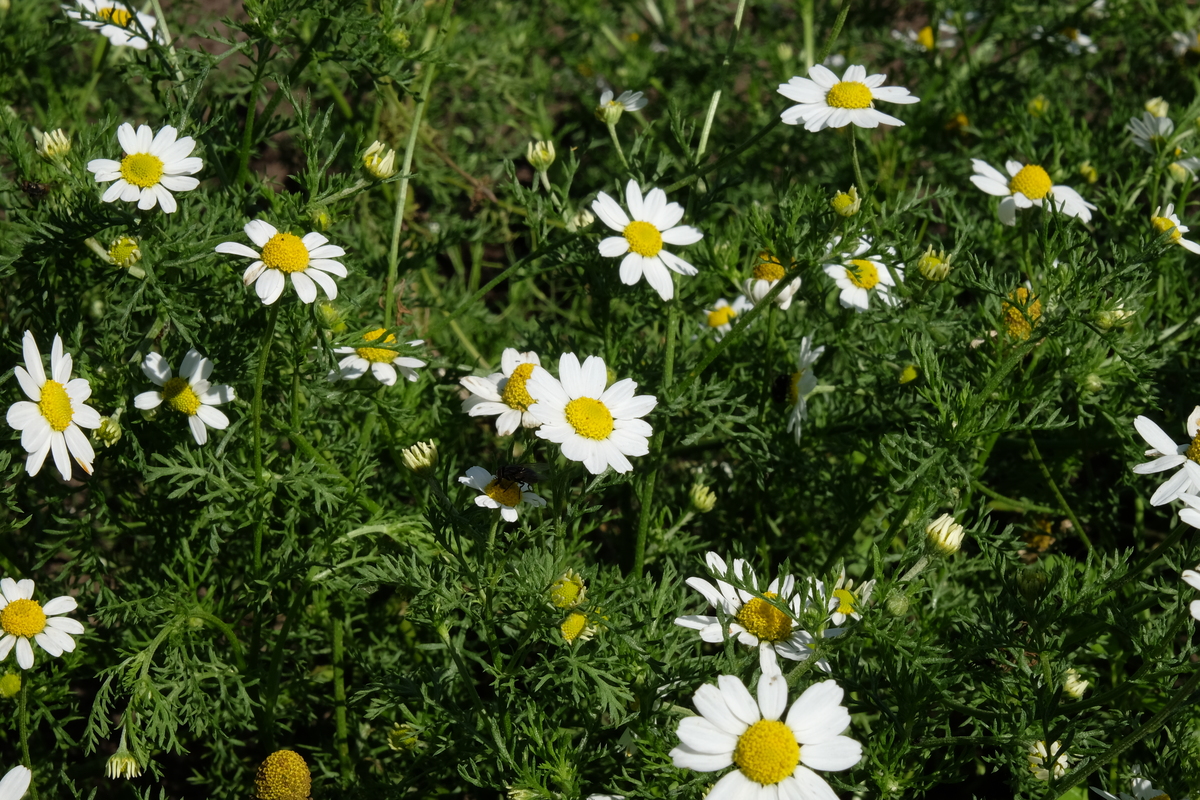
[(664, 398)]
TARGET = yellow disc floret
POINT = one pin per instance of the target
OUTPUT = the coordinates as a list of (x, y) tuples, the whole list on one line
[(180, 396), (764, 620), (55, 405), (23, 618), (862, 273), (589, 417), (575, 627), (377, 355), (125, 252), (849, 94), (1032, 181), (10, 685), (721, 316), (1021, 314), (114, 16), (768, 268), (504, 492), (286, 253), (568, 591), (142, 169), (1193, 451), (644, 239), (925, 37), (283, 776), (1163, 225), (514, 394), (767, 752)]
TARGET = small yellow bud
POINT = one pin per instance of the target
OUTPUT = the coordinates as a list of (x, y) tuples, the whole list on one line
[(1089, 172), (582, 219), (125, 251), (1074, 685), (402, 738), (575, 628), (1157, 106), (331, 316), (421, 458), (320, 218), (10, 685), (283, 775), (399, 37), (703, 499), (109, 432), (909, 374), (52, 146), (540, 155), (945, 534), (958, 123), (1038, 106), (1178, 171), (934, 265), (847, 203), (380, 161), (568, 591), (1022, 311), (784, 51), (1116, 317), (122, 764)]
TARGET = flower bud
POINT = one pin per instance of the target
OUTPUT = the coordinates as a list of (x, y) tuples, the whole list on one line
[(934, 265), (568, 591), (1038, 106), (52, 146), (10, 685), (320, 218), (958, 123), (1091, 383), (125, 251), (421, 458), (703, 499), (540, 155), (123, 764), (402, 738), (945, 534), (1089, 172), (331, 317), (283, 775), (1157, 106), (380, 161), (582, 219), (1109, 318), (1031, 583), (1074, 685), (897, 603), (109, 432), (847, 203), (784, 51)]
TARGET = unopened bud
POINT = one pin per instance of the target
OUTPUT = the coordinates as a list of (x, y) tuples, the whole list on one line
[(934, 265), (125, 251), (945, 534), (703, 499), (581, 219), (421, 458), (109, 432), (540, 155), (320, 218), (1038, 106), (10, 685), (1074, 685), (380, 161), (569, 590), (847, 203), (784, 51), (1157, 106), (1091, 383), (123, 764), (1089, 172), (897, 604), (1109, 318), (52, 146), (402, 738), (1031, 583), (331, 316)]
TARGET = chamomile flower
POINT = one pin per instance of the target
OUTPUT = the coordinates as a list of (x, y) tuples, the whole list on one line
[(51, 422), (774, 755), (1192, 578), (1075, 41), (1150, 132), (720, 318), (503, 394), (1027, 186), (1183, 42), (307, 261), (381, 361), (154, 166), (655, 223), (858, 277), (826, 102), (15, 783), (1044, 762), (755, 617), (499, 493), (115, 21), (23, 619), (768, 271), (925, 40), (1168, 455), (845, 602), (1140, 789), (597, 426), (801, 384), (1168, 222), (610, 110), (189, 393)]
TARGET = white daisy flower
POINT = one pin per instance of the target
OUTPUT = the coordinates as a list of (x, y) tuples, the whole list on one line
[(655, 223), (1028, 186), (114, 21), (15, 783), (1184, 169), (1183, 42), (1043, 761), (1168, 455), (1141, 790), (775, 755), (826, 102), (499, 493), (189, 393), (1150, 132), (503, 394), (381, 361), (720, 318), (858, 277), (768, 271), (154, 166), (307, 260), (844, 602), (751, 618), (1190, 576), (609, 110), (594, 425), (925, 40), (50, 424), (22, 618), (1169, 222), (801, 384), (1075, 41)]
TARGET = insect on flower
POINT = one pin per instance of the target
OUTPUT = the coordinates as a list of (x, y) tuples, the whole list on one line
[(522, 473)]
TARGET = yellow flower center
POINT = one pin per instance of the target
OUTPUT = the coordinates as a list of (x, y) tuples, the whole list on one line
[(958, 122), (1021, 314), (125, 252), (644, 239), (1193, 451), (1071, 33), (114, 16), (55, 405), (589, 417), (721, 316), (1162, 225), (925, 37), (515, 395), (23, 618), (764, 620), (283, 776), (794, 387), (142, 169), (10, 685), (376, 355), (1032, 181), (567, 591), (862, 273), (573, 626), (767, 752), (506, 493), (849, 94), (179, 396), (845, 600), (286, 253), (768, 268)]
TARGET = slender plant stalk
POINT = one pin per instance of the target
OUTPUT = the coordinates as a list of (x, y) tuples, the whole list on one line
[(612, 132), (23, 724), (260, 375), (858, 176), (1062, 501), (808, 20), (251, 108), (389, 301), (172, 56), (339, 698)]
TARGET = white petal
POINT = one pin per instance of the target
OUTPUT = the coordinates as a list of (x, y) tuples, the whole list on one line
[(610, 212), (234, 248), (698, 734), (737, 697), (838, 753)]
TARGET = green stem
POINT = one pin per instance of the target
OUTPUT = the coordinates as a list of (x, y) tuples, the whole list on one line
[(858, 177), (725, 62), (807, 19), (545, 250), (612, 132), (389, 303), (1013, 504), (23, 727), (833, 33), (172, 56), (260, 376), (339, 700), (251, 108), (1062, 501)]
